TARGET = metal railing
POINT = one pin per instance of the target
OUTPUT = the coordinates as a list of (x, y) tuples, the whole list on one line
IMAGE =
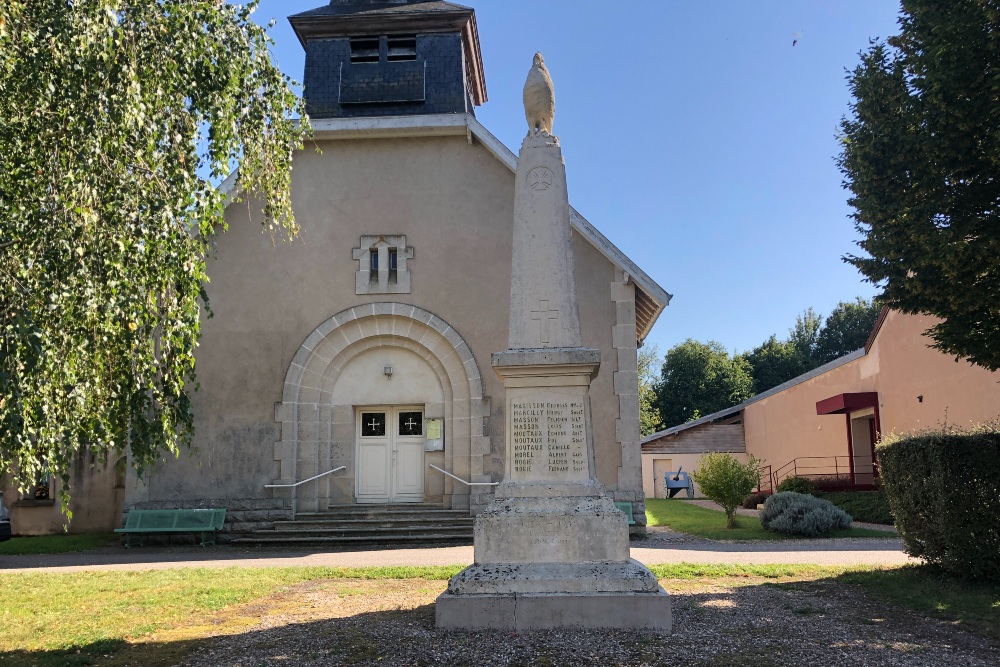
[(459, 479), (296, 485), (830, 471), (766, 483)]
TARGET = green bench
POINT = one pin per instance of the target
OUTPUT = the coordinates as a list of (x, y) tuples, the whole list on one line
[(626, 508), (143, 522)]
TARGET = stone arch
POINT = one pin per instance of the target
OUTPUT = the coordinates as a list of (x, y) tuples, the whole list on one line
[(315, 432)]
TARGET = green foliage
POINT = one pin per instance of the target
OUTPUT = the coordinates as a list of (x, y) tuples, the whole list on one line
[(116, 120), (867, 506), (801, 514), (726, 480), (812, 342), (920, 156), (754, 499), (649, 416), (846, 329), (944, 490), (775, 362), (805, 333), (700, 378), (797, 484)]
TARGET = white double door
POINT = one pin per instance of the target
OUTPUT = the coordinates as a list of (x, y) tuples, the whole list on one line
[(390, 454)]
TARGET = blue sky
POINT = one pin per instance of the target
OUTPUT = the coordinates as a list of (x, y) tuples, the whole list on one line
[(696, 137)]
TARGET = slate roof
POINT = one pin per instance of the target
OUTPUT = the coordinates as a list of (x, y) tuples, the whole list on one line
[(379, 7)]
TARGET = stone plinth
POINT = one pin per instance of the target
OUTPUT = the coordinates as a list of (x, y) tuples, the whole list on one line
[(551, 549)]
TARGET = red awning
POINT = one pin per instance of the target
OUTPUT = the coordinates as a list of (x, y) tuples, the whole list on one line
[(843, 403)]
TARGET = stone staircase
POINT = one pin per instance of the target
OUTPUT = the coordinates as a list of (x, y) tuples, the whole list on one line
[(358, 527)]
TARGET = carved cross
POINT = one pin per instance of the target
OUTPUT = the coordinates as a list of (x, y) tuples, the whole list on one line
[(543, 314)]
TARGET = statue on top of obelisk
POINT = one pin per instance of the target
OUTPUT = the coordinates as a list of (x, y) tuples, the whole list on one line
[(539, 98), (551, 549)]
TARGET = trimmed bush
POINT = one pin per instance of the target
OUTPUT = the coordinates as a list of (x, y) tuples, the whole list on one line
[(867, 506), (801, 514), (754, 499), (797, 485), (944, 490), (722, 478)]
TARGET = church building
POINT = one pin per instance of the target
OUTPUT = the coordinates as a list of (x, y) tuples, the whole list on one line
[(351, 366)]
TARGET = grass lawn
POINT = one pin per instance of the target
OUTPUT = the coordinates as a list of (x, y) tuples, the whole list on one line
[(55, 544), (711, 524), (154, 618), (77, 619)]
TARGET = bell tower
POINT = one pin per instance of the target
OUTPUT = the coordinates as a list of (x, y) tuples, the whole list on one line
[(390, 58)]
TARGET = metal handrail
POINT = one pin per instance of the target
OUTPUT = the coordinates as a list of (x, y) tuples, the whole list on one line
[(296, 485), (292, 486), (445, 472)]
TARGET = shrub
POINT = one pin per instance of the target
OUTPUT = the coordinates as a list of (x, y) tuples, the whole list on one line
[(797, 485), (722, 478), (754, 499), (801, 514), (867, 506), (944, 490)]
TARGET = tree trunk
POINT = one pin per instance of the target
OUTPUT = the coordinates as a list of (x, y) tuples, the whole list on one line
[(731, 518)]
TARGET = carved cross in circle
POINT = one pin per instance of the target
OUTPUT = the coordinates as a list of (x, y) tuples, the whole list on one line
[(540, 179), (410, 423), (543, 314)]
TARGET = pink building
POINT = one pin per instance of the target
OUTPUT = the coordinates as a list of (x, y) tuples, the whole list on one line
[(824, 424)]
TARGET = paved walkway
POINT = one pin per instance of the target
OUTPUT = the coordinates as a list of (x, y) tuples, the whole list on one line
[(662, 546)]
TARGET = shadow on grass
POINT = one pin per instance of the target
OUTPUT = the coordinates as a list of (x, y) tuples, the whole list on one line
[(710, 621), (929, 590)]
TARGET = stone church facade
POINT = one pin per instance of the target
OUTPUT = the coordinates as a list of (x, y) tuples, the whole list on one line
[(363, 346)]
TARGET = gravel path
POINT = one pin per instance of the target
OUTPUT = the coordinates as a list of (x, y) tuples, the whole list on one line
[(715, 623)]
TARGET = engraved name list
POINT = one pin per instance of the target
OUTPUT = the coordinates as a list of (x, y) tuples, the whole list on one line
[(548, 439)]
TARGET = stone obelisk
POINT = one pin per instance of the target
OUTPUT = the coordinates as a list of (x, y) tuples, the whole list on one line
[(551, 550)]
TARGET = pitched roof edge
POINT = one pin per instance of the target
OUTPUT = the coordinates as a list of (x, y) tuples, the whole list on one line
[(468, 125), (808, 375), (879, 321)]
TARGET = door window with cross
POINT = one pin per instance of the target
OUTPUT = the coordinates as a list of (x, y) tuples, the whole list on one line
[(411, 423), (373, 424)]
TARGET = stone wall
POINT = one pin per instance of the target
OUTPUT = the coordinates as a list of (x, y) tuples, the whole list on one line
[(243, 515)]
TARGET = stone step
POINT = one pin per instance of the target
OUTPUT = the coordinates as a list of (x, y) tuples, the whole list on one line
[(399, 541), (373, 531), (371, 525), (392, 513), (365, 526)]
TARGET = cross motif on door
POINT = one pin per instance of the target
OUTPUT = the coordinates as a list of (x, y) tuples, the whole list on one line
[(374, 425), (410, 424), (543, 314)]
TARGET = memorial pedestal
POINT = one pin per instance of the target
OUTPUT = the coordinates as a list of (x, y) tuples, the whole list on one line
[(551, 549)]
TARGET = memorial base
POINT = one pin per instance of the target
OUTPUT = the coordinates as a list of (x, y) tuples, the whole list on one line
[(548, 611)]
